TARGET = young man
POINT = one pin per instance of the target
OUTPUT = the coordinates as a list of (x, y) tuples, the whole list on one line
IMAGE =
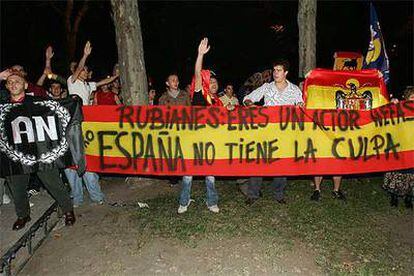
[(174, 95), (78, 85), (16, 85), (55, 90), (278, 92), (204, 95)]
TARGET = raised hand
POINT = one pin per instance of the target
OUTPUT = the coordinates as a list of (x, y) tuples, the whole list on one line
[(5, 74), (203, 48), (88, 49), (49, 52)]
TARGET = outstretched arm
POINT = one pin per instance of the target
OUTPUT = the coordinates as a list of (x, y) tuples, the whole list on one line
[(106, 81), (86, 52), (48, 66), (203, 48)]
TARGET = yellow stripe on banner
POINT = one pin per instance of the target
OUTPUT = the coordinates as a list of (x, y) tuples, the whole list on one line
[(323, 97), (110, 140)]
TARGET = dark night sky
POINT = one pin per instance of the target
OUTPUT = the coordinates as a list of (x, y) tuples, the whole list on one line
[(239, 32)]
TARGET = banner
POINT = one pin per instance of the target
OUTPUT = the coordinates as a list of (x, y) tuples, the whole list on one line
[(261, 141), (40, 135), (329, 89)]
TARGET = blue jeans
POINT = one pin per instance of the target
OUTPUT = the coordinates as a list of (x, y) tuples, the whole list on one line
[(212, 196), (91, 181)]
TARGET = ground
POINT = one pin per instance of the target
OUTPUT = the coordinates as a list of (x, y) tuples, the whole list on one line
[(362, 236)]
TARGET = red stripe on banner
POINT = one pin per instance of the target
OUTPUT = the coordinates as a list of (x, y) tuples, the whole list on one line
[(286, 166), (248, 117)]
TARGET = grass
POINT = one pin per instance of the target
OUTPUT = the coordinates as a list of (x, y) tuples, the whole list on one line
[(353, 237)]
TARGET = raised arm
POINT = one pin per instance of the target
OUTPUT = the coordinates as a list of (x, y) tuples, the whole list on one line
[(203, 48), (86, 52), (48, 65)]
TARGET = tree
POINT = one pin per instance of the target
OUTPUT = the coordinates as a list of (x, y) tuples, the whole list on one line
[(130, 51), (72, 23), (307, 36)]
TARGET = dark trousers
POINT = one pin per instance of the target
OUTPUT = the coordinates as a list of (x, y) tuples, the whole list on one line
[(51, 180), (278, 186)]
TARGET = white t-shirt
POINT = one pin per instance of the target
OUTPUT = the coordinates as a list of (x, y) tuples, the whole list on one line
[(81, 88)]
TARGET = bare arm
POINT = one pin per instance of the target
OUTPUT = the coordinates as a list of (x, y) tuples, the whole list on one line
[(106, 81), (203, 48), (86, 52), (48, 66)]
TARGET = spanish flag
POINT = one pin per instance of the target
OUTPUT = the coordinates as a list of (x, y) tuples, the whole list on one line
[(324, 88)]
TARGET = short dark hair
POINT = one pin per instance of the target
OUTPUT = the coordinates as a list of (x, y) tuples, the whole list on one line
[(171, 74), (282, 62)]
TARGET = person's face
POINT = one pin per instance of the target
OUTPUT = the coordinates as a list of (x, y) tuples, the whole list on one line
[(56, 90), (105, 88), (229, 90), (19, 69), (213, 86), (16, 85), (279, 74), (411, 97), (84, 74), (172, 82), (151, 94), (188, 88)]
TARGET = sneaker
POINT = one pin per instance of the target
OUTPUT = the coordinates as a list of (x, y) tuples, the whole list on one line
[(338, 195), (33, 192), (316, 196), (183, 209), (214, 208), (6, 199), (31, 204)]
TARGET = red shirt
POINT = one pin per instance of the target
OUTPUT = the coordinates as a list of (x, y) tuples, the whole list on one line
[(105, 98), (35, 90)]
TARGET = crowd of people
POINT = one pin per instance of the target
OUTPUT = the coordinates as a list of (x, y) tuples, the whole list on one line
[(202, 91)]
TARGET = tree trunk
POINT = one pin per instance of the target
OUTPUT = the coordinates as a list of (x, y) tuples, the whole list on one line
[(307, 36), (130, 52)]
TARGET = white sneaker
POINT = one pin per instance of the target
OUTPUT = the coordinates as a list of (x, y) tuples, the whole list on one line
[(6, 199), (214, 208), (183, 209)]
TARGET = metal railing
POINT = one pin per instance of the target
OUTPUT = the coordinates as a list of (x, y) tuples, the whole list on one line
[(27, 240)]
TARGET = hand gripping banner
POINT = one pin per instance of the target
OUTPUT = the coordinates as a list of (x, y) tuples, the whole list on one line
[(256, 141)]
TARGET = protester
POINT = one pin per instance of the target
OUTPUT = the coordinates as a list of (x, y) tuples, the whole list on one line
[(78, 85), (105, 96), (229, 91), (401, 183), (173, 96), (16, 84), (205, 90), (278, 92), (55, 90), (151, 95)]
